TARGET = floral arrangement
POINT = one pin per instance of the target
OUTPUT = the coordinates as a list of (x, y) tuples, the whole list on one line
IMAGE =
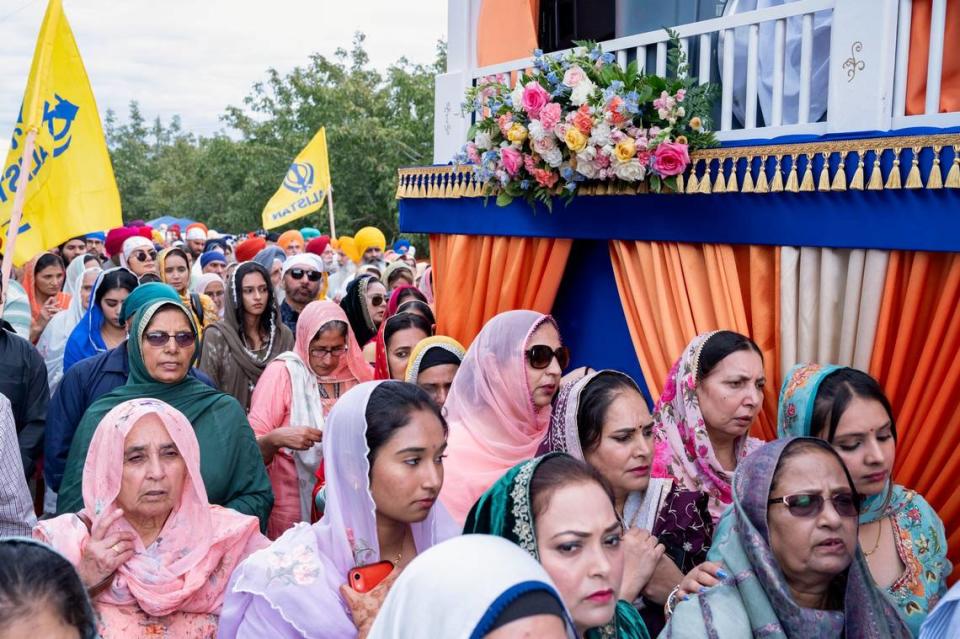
[(579, 117)]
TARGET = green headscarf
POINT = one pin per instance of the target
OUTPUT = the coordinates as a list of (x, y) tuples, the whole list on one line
[(230, 460), (506, 510), (143, 295)]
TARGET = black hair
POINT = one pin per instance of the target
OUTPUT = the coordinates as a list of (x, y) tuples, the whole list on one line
[(32, 576), (412, 292), (333, 325), (120, 278), (803, 445), (46, 261), (834, 395), (180, 252), (423, 307), (79, 237), (389, 409), (401, 321), (718, 346), (87, 257), (150, 276), (272, 236), (560, 470), (267, 316), (595, 399)]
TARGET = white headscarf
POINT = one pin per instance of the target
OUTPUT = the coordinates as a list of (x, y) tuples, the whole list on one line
[(458, 588), (53, 340), (130, 245)]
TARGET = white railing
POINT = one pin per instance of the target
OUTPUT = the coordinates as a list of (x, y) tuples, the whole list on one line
[(846, 58)]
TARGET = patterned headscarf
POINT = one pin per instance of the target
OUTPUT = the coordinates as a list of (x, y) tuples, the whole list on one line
[(683, 450)]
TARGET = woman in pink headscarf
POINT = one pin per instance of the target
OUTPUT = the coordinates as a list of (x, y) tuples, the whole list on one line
[(499, 404), (155, 555), (291, 401)]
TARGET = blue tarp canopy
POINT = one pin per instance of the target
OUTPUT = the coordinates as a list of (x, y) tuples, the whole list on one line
[(169, 219)]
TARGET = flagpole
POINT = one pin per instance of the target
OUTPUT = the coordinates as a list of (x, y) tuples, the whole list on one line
[(18, 201), (333, 228)]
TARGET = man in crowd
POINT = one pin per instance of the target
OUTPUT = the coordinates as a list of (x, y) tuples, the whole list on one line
[(94, 242), (213, 262), (196, 239), (371, 243), (302, 275), (71, 248)]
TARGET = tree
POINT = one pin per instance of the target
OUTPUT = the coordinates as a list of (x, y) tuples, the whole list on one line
[(376, 122)]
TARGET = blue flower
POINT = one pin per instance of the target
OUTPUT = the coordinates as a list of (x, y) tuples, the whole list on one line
[(538, 53), (607, 58), (508, 100), (631, 102), (595, 54), (525, 185), (566, 173), (552, 77), (570, 186)]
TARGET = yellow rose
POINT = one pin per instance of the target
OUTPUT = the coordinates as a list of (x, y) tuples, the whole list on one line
[(625, 149), (517, 133), (695, 123), (575, 140), (681, 139)]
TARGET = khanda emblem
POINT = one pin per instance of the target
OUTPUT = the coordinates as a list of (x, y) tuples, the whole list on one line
[(299, 177), (58, 119)]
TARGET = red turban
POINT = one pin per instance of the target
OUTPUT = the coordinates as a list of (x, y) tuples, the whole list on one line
[(115, 239), (318, 245), (247, 249)]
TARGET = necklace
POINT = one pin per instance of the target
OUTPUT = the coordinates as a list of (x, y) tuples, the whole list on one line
[(867, 553), (396, 562)]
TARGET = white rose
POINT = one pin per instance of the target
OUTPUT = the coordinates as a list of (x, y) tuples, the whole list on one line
[(552, 156), (582, 92), (587, 169), (600, 136), (535, 130), (483, 141), (516, 96), (631, 171)]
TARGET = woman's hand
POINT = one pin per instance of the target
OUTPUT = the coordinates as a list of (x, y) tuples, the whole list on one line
[(296, 437), (641, 553), (706, 575), (665, 578), (105, 551)]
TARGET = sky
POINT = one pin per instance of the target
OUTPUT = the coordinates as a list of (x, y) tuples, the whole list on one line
[(195, 57)]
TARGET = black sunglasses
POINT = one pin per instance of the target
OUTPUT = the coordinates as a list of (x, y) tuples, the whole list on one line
[(143, 255), (160, 339), (298, 273), (803, 505), (378, 300), (541, 355)]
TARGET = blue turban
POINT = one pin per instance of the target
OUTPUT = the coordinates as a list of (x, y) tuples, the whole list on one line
[(401, 246), (308, 233), (212, 256), (99, 235)]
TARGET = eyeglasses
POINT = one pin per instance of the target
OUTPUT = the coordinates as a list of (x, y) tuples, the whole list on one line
[(846, 504), (541, 355), (160, 339), (378, 300), (143, 256), (298, 273), (322, 352)]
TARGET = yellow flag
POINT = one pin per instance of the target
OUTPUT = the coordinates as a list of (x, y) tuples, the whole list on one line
[(71, 190), (305, 186)]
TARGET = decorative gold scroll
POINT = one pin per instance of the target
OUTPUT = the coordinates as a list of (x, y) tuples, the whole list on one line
[(714, 171)]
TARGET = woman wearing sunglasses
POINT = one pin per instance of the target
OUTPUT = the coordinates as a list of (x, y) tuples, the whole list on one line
[(790, 544), (139, 255), (175, 271), (291, 401), (499, 404), (161, 349), (901, 536), (365, 305)]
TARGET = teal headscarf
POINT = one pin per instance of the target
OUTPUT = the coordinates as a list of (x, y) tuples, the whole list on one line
[(506, 510), (143, 295), (230, 461)]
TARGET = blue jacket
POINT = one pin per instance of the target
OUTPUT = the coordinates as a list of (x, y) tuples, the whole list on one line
[(84, 383)]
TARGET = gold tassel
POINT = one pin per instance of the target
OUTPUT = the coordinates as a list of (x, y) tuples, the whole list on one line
[(823, 182), (953, 176), (705, 180), (679, 184), (399, 194), (792, 183), (776, 184), (856, 182), (893, 180), (840, 177), (935, 181), (876, 178), (913, 177), (761, 186), (720, 185), (806, 184), (693, 184), (732, 180), (748, 177)]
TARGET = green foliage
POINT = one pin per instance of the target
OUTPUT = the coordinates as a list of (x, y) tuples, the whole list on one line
[(376, 122)]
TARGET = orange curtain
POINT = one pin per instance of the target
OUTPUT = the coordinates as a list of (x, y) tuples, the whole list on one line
[(477, 277), (672, 292), (506, 30), (920, 53), (915, 357)]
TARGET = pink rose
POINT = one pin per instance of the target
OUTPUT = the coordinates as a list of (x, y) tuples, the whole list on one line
[(550, 116), (670, 158), (535, 97), (512, 160), (574, 76), (472, 154), (545, 178), (669, 390), (504, 122), (530, 163), (681, 94)]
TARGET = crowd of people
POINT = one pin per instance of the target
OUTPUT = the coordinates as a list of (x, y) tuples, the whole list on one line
[(263, 436)]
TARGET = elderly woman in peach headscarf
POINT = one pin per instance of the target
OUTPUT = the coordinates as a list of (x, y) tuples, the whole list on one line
[(291, 242), (154, 554)]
